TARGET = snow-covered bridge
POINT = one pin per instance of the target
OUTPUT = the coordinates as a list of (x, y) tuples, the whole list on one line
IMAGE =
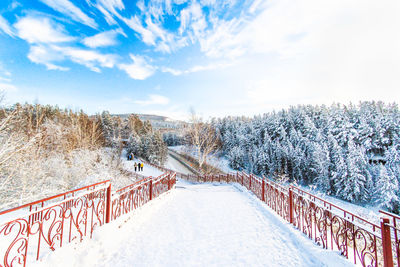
[(234, 219), (197, 225)]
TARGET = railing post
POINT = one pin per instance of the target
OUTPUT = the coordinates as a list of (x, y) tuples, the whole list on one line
[(151, 189), (250, 176), (108, 204), (169, 181), (290, 205), (242, 179), (263, 191), (386, 243)]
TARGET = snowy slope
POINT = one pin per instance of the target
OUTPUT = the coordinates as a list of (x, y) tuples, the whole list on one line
[(215, 160), (175, 165), (198, 225)]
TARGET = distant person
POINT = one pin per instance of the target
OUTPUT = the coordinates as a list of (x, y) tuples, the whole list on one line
[(132, 156), (141, 166), (136, 165)]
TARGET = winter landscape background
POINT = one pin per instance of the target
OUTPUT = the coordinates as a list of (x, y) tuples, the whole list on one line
[(302, 93)]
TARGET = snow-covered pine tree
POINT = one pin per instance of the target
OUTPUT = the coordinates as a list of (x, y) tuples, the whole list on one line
[(320, 166), (338, 168), (236, 158), (355, 182), (386, 189)]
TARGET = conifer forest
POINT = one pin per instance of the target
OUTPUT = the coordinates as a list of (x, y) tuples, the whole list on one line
[(348, 151)]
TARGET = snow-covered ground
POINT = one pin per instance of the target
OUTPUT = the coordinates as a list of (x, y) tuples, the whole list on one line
[(175, 165), (197, 225), (147, 169), (218, 162)]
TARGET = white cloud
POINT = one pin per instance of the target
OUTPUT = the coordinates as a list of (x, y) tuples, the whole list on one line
[(5, 27), (174, 72), (193, 20), (43, 34), (107, 16), (139, 69), (224, 40), (67, 8), (90, 59), (41, 30), (49, 55), (109, 8), (152, 33), (147, 36), (41, 54), (101, 39), (153, 100), (167, 41), (112, 5)]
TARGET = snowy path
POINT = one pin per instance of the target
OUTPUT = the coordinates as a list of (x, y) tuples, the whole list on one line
[(175, 165), (198, 225)]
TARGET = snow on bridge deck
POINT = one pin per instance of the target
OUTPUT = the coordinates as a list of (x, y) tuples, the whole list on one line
[(198, 225)]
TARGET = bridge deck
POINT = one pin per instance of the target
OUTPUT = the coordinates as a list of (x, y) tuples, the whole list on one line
[(198, 225)]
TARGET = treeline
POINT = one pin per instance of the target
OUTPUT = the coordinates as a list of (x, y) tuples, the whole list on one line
[(138, 137), (174, 139), (352, 152)]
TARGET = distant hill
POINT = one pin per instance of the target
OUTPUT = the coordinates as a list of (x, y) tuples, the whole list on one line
[(157, 122)]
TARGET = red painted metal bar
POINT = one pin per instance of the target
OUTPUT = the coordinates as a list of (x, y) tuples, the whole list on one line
[(290, 205), (263, 191), (394, 224), (386, 243), (52, 197), (108, 204)]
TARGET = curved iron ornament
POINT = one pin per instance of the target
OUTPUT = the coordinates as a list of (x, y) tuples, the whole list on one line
[(16, 252), (50, 227), (350, 239)]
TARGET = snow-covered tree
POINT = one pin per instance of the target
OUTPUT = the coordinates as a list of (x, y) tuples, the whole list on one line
[(386, 189), (333, 147)]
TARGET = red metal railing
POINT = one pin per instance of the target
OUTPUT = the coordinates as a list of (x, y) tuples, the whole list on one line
[(29, 231), (335, 228), (134, 196), (329, 225), (49, 223)]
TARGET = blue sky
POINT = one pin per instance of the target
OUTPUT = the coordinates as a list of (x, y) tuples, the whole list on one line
[(220, 57)]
